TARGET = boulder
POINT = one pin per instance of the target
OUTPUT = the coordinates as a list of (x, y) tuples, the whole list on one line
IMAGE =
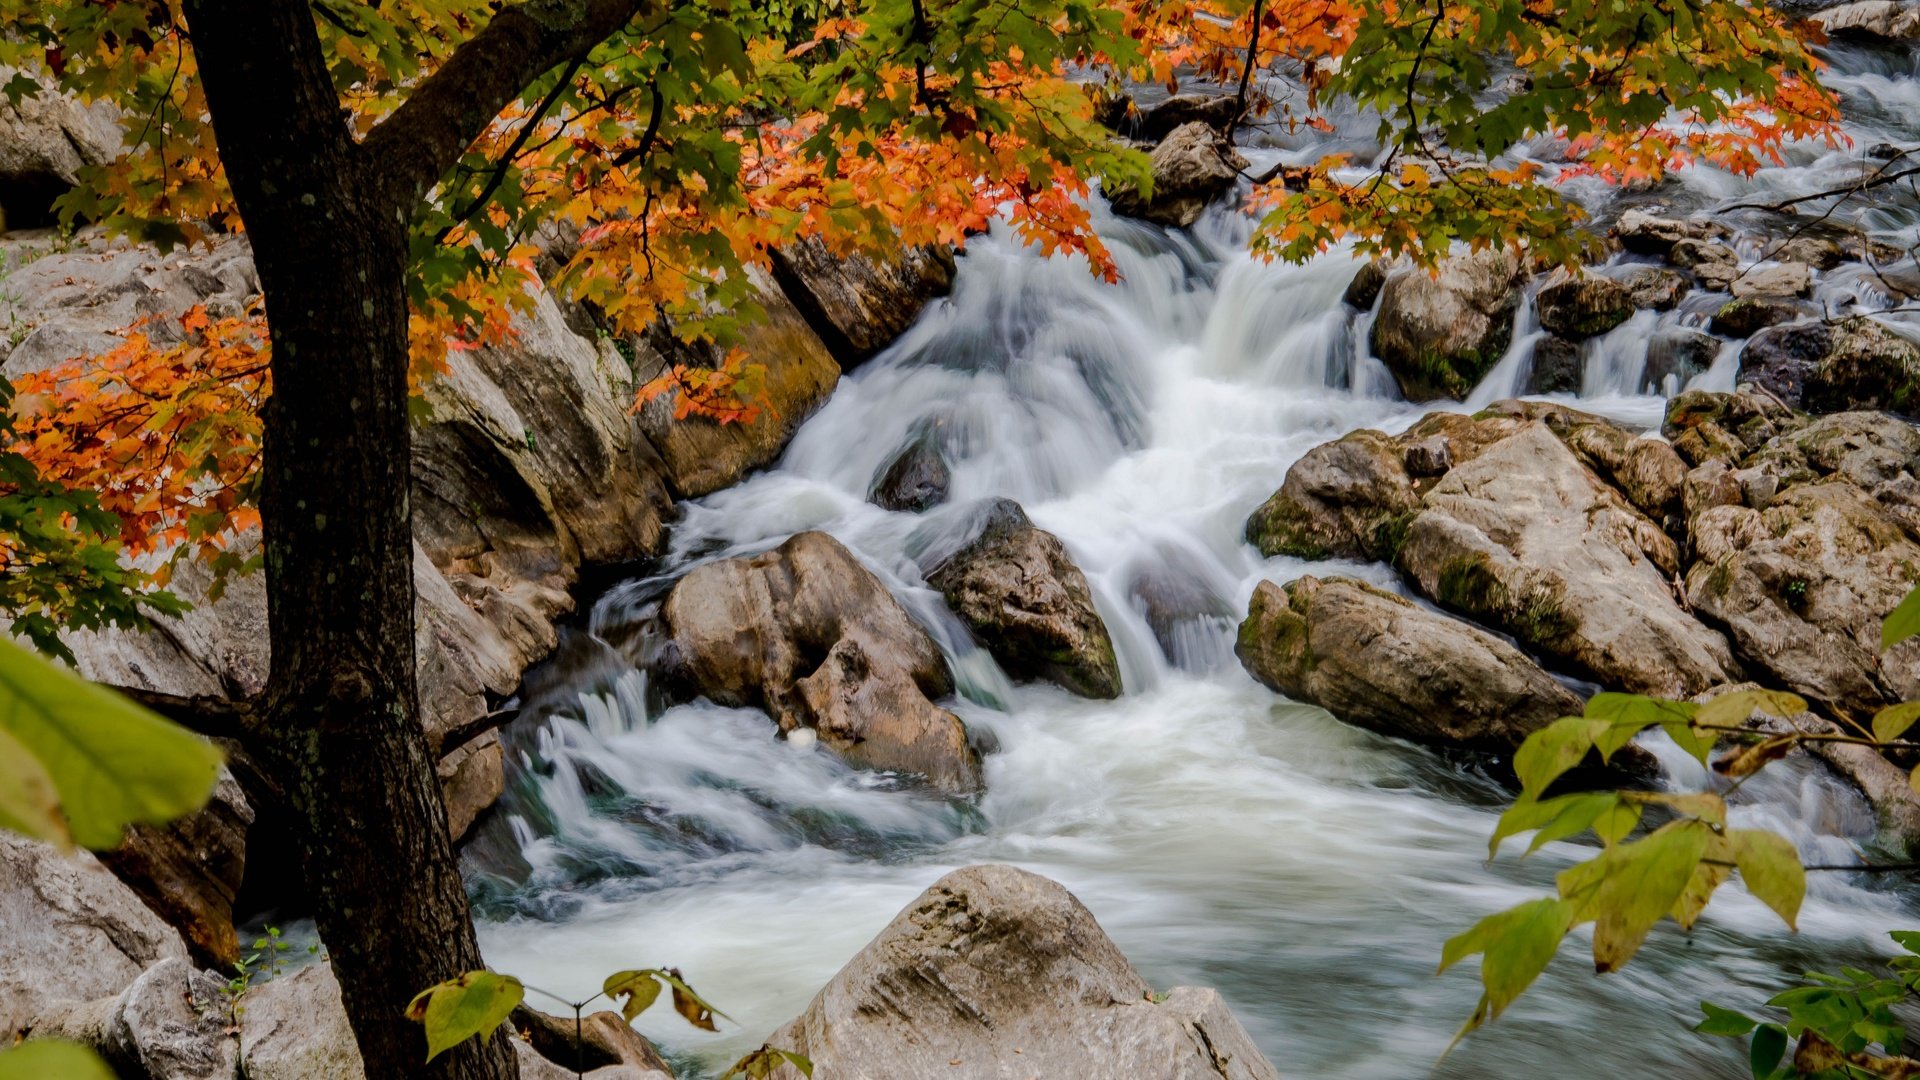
[(604, 1040), (294, 1027), (1525, 539), (1650, 234), (1192, 166), (172, 1023), (815, 639), (994, 973), (535, 1066), (916, 479), (1341, 500), (46, 139), (1817, 252), (1779, 279), (1559, 366), (1872, 20), (1441, 332), (1365, 287), (1654, 287), (1015, 586), (72, 933), (1680, 354), (859, 303), (1856, 363), (1378, 661), (1704, 425), (472, 778), (1185, 606), (1802, 586), (1715, 266), (190, 870), (1152, 123), (1582, 306), (1744, 318)]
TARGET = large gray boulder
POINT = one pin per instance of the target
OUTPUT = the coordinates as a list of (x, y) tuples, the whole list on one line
[(1441, 332), (859, 303), (1856, 363), (1383, 663), (815, 639), (172, 1023), (294, 1027), (1015, 586), (45, 141), (72, 933), (997, 973), (1886, 21), (1192, 166)]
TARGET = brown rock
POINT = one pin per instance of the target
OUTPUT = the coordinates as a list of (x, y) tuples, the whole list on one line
[(1441, 332), (190, 870), (859, 303), (1192, 166)]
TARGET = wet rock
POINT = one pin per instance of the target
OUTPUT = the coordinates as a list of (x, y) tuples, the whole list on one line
[(1680, 354), (1365, 287), (604, 1040), (1814, 251), (814, 638), (1441, 333), (172, 1023), (859, 303), (1431, 456), (1029, 605), (1655, 287), (1650, 473), (1153, 122), (1558, 367), (1780, 279), (189, 871), (1340, 500), (1192, 166), (1714, 265), (1583, 306), (915, 480), (1526, 540), (1185, 607), (1745, 318), (472, 779), (294, 1027), (1650, 234), (1872, 20), (45, 141), (995, 972), (1856, 363), (1704, 425), (72, 933), (1378, 661), (1802, 586)]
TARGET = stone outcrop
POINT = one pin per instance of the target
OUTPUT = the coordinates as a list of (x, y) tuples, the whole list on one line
[(1192, 166), (172, 1023), (1383, 663), (1887, 21), (995, 972), (1651, 234), (814, 638), (1015, 586), (1339, 501), (1856, 363), (858, 303), (190, 870), (45, 140), (294, 1027), (1582, 306), (1441, 332)]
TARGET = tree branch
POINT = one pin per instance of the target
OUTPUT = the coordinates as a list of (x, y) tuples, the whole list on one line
[(203, 714), (426, 135)]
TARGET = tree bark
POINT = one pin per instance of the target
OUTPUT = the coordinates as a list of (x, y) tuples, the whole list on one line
[(339, 726)]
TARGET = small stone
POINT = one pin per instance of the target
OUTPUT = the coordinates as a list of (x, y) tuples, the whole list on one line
[(1745, 318), (1780, 279)]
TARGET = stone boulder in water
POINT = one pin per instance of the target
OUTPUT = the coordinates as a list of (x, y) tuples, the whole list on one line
[(915, 479), (1338, 502), (1856, 363), (997, 973), (1872, 20), (814, 638), (1654, 287), (1192, 166), (1744, 318), (1559, 366), (1582, 306), (1678, 353), (1014, 585), (859, 303), (1379, 661), (1651, 234), (1441, 332)]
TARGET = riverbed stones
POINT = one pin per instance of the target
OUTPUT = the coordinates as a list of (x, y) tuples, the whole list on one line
[(997, 973), (1017, 589), (1194, 165), (1381, 662), (1341, 499), (1677, 354), (605, 1040), (1855, 363), (1655, 287), (1582, 306), (1745, 318), (1651, 234), (1785, 279), (1886, 21), (812, 637), (1714, 265), (1559, 366), (1441, 332)]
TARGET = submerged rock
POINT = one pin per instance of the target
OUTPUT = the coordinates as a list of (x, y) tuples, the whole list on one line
[(1583, 306), (1856, 363), (1365, 287), (995, 973), (1559, 366), (915, 480), (1381, 662), (1679, 354), (1192, 166), (814, 638), (1745, 318), (1016, 588), (1440, 333)]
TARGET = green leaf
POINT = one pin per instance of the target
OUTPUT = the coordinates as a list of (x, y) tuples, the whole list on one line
[(1903, 623), (690, 1005), (1724, 1022), (1630, 886), (640, 988), (1906, 939), (113, 762), (1769, 1045), (1553, 750), (28, 802), (476, 1003), (52, 1060), (1770, 865), (1893, 721), (1733, 710), (1515, 946)]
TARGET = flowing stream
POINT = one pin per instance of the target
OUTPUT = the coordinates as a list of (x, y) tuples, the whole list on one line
[(1223, 836)]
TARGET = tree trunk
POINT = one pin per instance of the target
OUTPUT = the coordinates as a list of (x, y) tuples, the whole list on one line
[(340, 729)]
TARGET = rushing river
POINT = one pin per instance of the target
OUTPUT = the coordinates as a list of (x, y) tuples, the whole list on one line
[(1223, 836)]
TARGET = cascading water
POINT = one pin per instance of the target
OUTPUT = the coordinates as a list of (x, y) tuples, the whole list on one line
[(1223, 836)]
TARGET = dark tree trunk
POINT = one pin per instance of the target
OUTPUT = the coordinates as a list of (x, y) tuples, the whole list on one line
[(339, 726)]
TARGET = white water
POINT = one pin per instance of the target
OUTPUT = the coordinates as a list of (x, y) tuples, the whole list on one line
[(1222, 835)]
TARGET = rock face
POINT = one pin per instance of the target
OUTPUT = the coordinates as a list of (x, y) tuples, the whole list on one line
[(171, 1024), (1856, 363), (1192, 166), (1339, 501), (1016, 588), (1583, 306), (1378, 661), (1441, 333), (72, 933), (1873, 20), (1525, 539), (858, 303), (605, 1041), (45, 140), (294, 1027), (1152, 123), (994, 973), (190, 870), (812, 637)]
